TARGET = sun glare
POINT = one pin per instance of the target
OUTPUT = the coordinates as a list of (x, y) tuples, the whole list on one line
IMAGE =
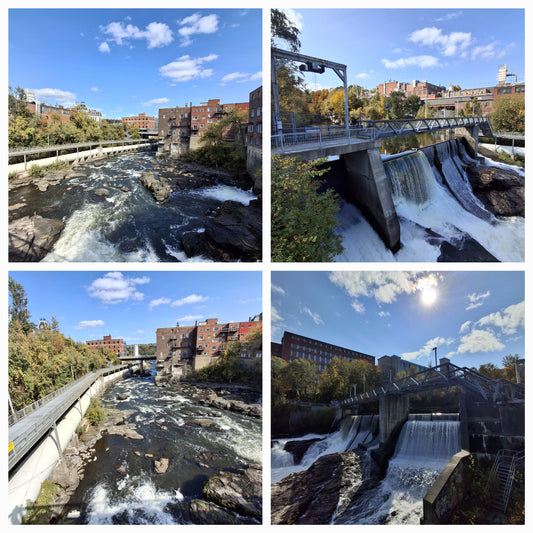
[(428, 296)]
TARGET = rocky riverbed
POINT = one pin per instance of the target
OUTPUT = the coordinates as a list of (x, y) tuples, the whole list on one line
[(231, 495), (142, 205)]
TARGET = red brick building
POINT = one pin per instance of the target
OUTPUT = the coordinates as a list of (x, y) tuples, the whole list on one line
[(141, 121), (295, 346), (254, 137), (117, 346), (200, 345)]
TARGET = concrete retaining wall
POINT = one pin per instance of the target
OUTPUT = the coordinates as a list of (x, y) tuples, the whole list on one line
[(447, 491), (79, 157), (25, 483)]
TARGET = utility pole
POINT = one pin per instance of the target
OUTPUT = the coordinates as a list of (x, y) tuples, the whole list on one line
[(435, 349)]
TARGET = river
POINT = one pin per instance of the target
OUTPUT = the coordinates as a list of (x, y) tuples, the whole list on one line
[(162, 417), (128, 225)]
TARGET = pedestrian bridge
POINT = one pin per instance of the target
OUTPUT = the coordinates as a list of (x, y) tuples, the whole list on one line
[(393, 397), (314, 142)]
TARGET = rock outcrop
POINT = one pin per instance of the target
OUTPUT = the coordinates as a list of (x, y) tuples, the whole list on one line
[(31, 238), (233, 233), (160, 189), (501, 191)]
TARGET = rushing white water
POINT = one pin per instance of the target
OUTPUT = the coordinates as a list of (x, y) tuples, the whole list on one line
[(421, 202), (424, 448), (353, 431)]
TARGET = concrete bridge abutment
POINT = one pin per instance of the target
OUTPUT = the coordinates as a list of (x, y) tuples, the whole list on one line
[(369, 188), (393, 412)]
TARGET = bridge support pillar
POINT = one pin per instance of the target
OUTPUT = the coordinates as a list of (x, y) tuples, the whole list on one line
[(393, 412), (471, 135), (371, 191)]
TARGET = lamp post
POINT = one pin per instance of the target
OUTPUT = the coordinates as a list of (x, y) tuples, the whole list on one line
[(435, 349)]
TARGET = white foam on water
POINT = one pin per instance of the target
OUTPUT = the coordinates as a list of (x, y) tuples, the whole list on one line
[(226, 192)]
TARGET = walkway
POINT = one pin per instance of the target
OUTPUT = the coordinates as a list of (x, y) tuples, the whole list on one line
[(33, 422)]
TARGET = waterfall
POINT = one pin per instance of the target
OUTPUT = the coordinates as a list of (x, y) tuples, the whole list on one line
[(453, 170), (353, 431), (425, 445), (411, 178)]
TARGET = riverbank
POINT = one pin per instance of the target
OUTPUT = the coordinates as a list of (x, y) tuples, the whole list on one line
[(135, 207)]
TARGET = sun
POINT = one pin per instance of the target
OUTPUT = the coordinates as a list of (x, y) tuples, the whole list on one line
[(428, 296)]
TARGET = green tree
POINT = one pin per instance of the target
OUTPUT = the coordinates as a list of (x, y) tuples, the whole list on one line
[(303, 219), (18, 306), (509, 114), (282, 29)]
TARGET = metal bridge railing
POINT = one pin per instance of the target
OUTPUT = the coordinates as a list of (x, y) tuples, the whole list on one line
[(369, 130)]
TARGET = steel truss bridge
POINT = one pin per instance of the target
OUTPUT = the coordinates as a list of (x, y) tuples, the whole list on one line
[(496, 391)]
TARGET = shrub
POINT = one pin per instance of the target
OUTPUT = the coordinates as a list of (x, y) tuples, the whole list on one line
[(303, 219), (95, 413)]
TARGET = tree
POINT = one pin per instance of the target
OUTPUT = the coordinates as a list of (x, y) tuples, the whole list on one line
[(283, 29), (18, 308), (509, 114), (303, 219)]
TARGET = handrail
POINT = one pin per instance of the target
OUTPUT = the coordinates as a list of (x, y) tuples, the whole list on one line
[(28, 150)]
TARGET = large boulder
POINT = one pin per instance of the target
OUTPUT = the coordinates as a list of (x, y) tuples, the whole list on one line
[(501, 191), (31, 238), (239, 492), (159, 189), (234, 233)]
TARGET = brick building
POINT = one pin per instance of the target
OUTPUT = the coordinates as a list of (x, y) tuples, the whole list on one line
[(141, 121), (254, 137), (183, 348), (295, 346), (117, 346), (184, 126), (422, 89)]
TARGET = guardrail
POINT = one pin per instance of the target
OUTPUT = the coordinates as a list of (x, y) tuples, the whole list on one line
[(370, 130), (22, 438)]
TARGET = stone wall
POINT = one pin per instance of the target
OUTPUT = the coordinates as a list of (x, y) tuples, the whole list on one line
[(447, 491)]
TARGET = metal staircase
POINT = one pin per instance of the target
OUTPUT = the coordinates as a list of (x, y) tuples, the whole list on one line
[(505, 466)]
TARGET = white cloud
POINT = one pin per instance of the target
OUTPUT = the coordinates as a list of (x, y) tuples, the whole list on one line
[(187, 68), (315, 316), (191, 299), (89, 324), (427, 349), (257, 76), (476, 300), (240, 77), (65, 98), (363, 76), (358, 307), (114, 288), (157, 101), (383, 314), (509, 320), (416, 61), (277, 289), (464, 327), (159, 301), (479, 341), (156, 34), (450, 44), (275, 316), (449, 16), (95, 89), (104, 48), (383, 287), (197, 24)]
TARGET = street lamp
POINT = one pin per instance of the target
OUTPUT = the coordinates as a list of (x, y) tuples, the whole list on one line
[(435, 349)]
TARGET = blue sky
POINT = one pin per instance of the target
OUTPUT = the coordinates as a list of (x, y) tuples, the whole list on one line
[(462, 47), (132, 305), (129, 61), (471, 317)]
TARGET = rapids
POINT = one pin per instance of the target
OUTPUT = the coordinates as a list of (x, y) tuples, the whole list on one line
[(128, 225)]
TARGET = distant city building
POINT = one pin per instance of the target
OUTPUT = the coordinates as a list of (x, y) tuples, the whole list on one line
[(183, 127), (295, 346), (93, 113), (141, 121), (392, 365), (254, 136), (181, 349), (117, 346)]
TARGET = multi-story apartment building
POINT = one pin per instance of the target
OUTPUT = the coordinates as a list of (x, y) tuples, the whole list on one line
[(117, 346), (141, 121), (295, 346), (183, 348), (184, 126), (254, 136), (423, 89)]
